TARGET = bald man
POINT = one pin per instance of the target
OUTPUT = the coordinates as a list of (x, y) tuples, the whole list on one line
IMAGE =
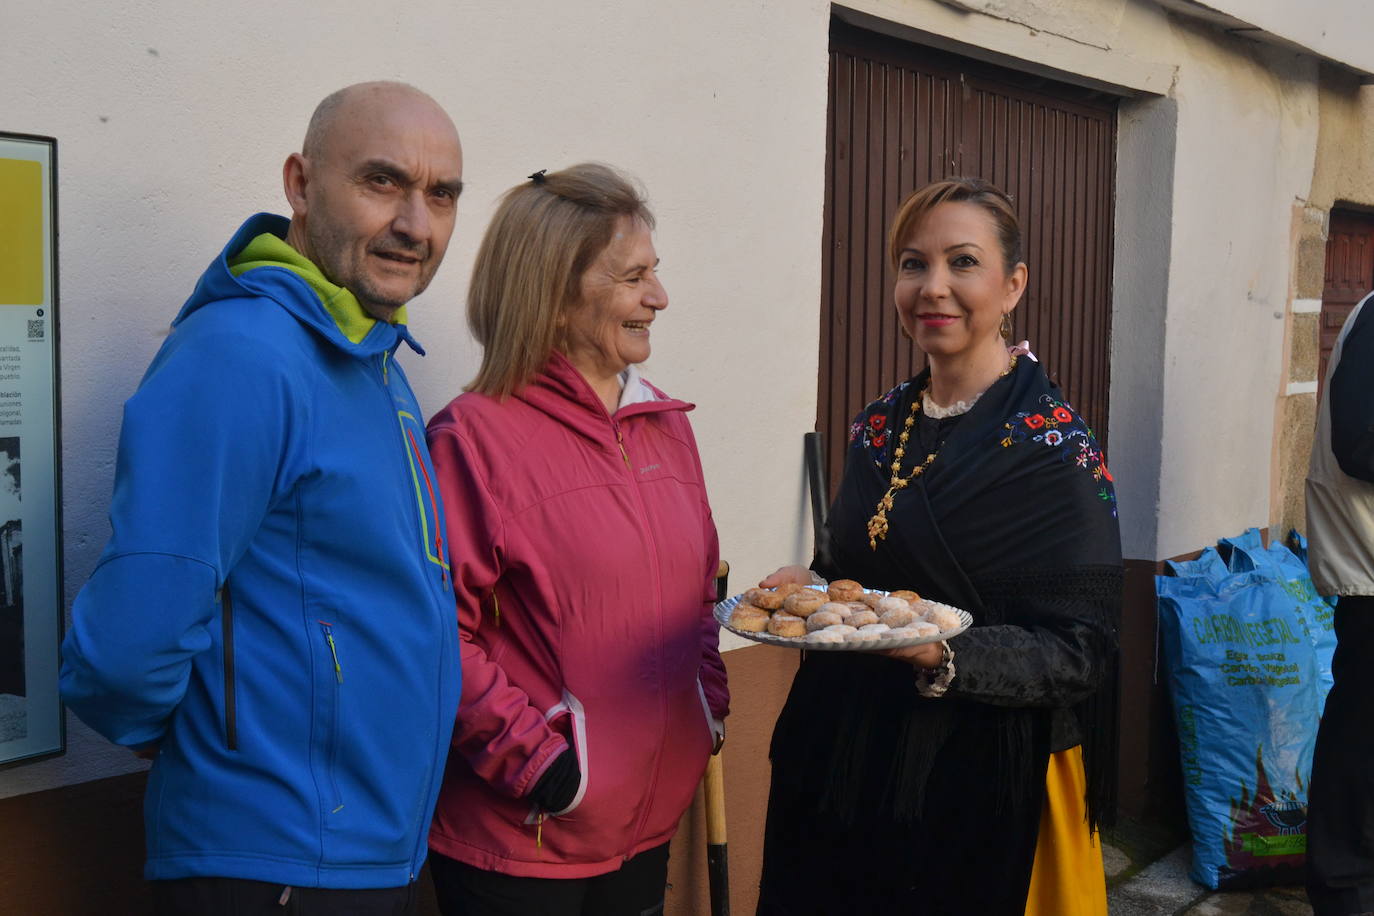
[(272, 621)]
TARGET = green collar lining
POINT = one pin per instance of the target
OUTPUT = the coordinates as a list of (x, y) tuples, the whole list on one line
[(268, 250)]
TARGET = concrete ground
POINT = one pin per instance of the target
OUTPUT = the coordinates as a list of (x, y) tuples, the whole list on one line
[(1147, 875)]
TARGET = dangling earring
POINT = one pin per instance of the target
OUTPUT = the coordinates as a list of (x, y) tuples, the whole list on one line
[(1006, 326)]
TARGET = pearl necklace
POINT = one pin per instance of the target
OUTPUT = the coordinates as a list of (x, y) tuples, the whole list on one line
[(878, 524)]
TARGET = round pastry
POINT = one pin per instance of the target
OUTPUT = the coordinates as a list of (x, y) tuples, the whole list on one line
[(803, 603), (839, 607), (785, 624), (749, 618), (891, 604), (842, 628), (789, 588), (943, 616), (845, 590), (905, 594), (871, 599), (855, 606), (875, 628), (768, 599), (861, 618), (918, 630), (899, 617), (822, 619), (864, 634), (824, 636)]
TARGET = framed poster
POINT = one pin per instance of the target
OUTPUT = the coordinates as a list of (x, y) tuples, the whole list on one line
[(30, 501)]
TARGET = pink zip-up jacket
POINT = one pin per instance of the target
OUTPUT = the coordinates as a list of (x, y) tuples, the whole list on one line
[(584, 556)]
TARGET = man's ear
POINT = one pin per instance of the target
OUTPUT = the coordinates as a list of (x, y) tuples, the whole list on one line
[(295, 175)]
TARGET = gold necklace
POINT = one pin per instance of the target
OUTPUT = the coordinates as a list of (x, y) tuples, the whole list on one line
[(878, 525)]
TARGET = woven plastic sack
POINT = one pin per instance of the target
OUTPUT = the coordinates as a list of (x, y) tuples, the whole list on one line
[(1247, 646), (1286, 565)]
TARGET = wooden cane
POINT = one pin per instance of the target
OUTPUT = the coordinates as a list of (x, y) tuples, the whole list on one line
[(713, 792), (717, 861)]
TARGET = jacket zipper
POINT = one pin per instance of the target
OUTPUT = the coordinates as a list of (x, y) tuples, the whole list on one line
[(328, 630), (658, 590), (333, 650), (226, 616), (417, 858)]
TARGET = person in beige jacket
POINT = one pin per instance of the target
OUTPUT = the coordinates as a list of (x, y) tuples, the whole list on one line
[(1340, 527)]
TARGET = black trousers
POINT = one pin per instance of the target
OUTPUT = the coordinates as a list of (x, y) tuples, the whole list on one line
[(1340, 813), (636, 889), (241, 897)]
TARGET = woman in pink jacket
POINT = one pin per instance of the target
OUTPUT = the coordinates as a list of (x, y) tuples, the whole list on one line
[(584, 555)]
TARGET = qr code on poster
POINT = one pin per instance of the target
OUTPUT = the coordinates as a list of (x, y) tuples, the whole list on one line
[(35, 329)]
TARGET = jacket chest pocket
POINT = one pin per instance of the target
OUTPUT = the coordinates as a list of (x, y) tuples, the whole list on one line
[(422, 477)]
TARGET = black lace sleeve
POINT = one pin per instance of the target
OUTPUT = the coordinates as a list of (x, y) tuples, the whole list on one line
[(1053, 644)]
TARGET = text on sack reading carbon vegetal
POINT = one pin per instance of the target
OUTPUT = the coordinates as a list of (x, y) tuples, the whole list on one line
[(1212, 628)]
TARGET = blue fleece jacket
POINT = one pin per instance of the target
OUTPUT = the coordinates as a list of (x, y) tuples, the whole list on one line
[(274, 608)]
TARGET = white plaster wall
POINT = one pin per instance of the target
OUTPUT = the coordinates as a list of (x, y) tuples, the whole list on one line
[(173, 120), (1146, 129), (1247, 137), (1337, 29)]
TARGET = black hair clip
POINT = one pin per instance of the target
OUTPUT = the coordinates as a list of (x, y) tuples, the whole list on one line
[(538, 177)]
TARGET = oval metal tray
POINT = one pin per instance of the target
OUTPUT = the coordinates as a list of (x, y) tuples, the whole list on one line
[(726, 607)]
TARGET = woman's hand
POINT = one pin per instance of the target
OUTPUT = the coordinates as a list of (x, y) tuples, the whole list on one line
[(798, 574), (927, 655)]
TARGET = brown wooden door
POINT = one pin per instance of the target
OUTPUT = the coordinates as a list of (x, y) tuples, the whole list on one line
[(1349, 275), (902, 115)]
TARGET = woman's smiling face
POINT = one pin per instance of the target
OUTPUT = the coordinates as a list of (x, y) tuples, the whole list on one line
[(621, 295), (953, 285)]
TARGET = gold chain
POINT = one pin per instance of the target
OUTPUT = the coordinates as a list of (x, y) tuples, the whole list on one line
[(878, 525)]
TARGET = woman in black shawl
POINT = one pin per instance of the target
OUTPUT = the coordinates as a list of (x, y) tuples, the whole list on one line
[(916, 780)]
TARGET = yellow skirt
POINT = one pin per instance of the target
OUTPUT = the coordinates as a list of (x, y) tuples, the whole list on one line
[(1067, 879)]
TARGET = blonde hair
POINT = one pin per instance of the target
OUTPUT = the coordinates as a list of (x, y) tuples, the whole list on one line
[(546, 233), (956, 190)]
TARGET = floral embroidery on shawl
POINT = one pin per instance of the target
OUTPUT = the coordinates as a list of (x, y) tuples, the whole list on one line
[(870, 426), (1058, 426)]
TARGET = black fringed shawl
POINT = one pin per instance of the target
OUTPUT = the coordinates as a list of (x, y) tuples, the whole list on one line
[(1015, 521)]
